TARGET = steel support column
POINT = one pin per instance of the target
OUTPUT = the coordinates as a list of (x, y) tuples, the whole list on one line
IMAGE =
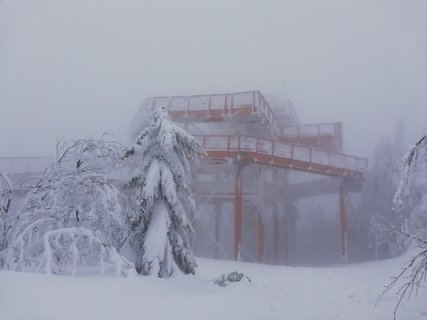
[(260, 204), (238, 206), (343, 224)]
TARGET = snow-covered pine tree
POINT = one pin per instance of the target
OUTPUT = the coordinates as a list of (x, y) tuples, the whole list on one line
[(160, 237), (74, 215)]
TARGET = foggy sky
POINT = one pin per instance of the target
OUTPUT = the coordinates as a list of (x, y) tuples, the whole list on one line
[(79, 68)]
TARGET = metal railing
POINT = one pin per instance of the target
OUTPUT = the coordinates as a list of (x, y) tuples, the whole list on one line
[(229, 104), (332, 129), (241, 143), (316, 129), (266, 113), (225, 102)]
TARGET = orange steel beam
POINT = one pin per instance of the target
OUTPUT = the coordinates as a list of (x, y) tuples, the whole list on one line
[(267, 152), (288, 163), (343, 224), (260, 238), (238, 213)]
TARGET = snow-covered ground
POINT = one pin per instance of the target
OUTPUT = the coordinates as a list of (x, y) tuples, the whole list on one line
[(341, 292)]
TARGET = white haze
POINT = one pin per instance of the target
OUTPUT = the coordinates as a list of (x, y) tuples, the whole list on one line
[(79, 68)]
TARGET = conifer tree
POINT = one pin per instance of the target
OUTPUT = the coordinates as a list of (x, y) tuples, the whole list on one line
[(161, 184)]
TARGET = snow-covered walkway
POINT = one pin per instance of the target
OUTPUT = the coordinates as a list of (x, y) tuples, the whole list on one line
[(344, 292)]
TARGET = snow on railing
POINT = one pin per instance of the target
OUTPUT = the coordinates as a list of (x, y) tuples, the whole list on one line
[(218, 102), (227, 103), (234, 143), (332, 131), (266, 112), (223, 105), (317, 129)]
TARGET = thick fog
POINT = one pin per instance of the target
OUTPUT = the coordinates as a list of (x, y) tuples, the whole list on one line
[(79, 68)]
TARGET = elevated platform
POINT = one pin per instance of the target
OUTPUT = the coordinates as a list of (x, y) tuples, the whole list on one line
[(283, 155), (260, 138), (248, 106), (262, 118)]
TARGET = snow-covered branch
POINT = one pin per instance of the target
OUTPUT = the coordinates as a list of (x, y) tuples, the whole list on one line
[(412, 196), (74, 215)]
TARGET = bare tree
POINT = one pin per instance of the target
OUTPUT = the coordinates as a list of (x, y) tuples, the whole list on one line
[(375, 219), (412, 193)]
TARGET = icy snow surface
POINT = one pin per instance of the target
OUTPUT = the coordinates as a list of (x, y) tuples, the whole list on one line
[(344, 292)]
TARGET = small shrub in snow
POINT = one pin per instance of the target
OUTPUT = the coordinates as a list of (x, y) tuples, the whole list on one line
[(161, 188), (74, 215), (234, 276)]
